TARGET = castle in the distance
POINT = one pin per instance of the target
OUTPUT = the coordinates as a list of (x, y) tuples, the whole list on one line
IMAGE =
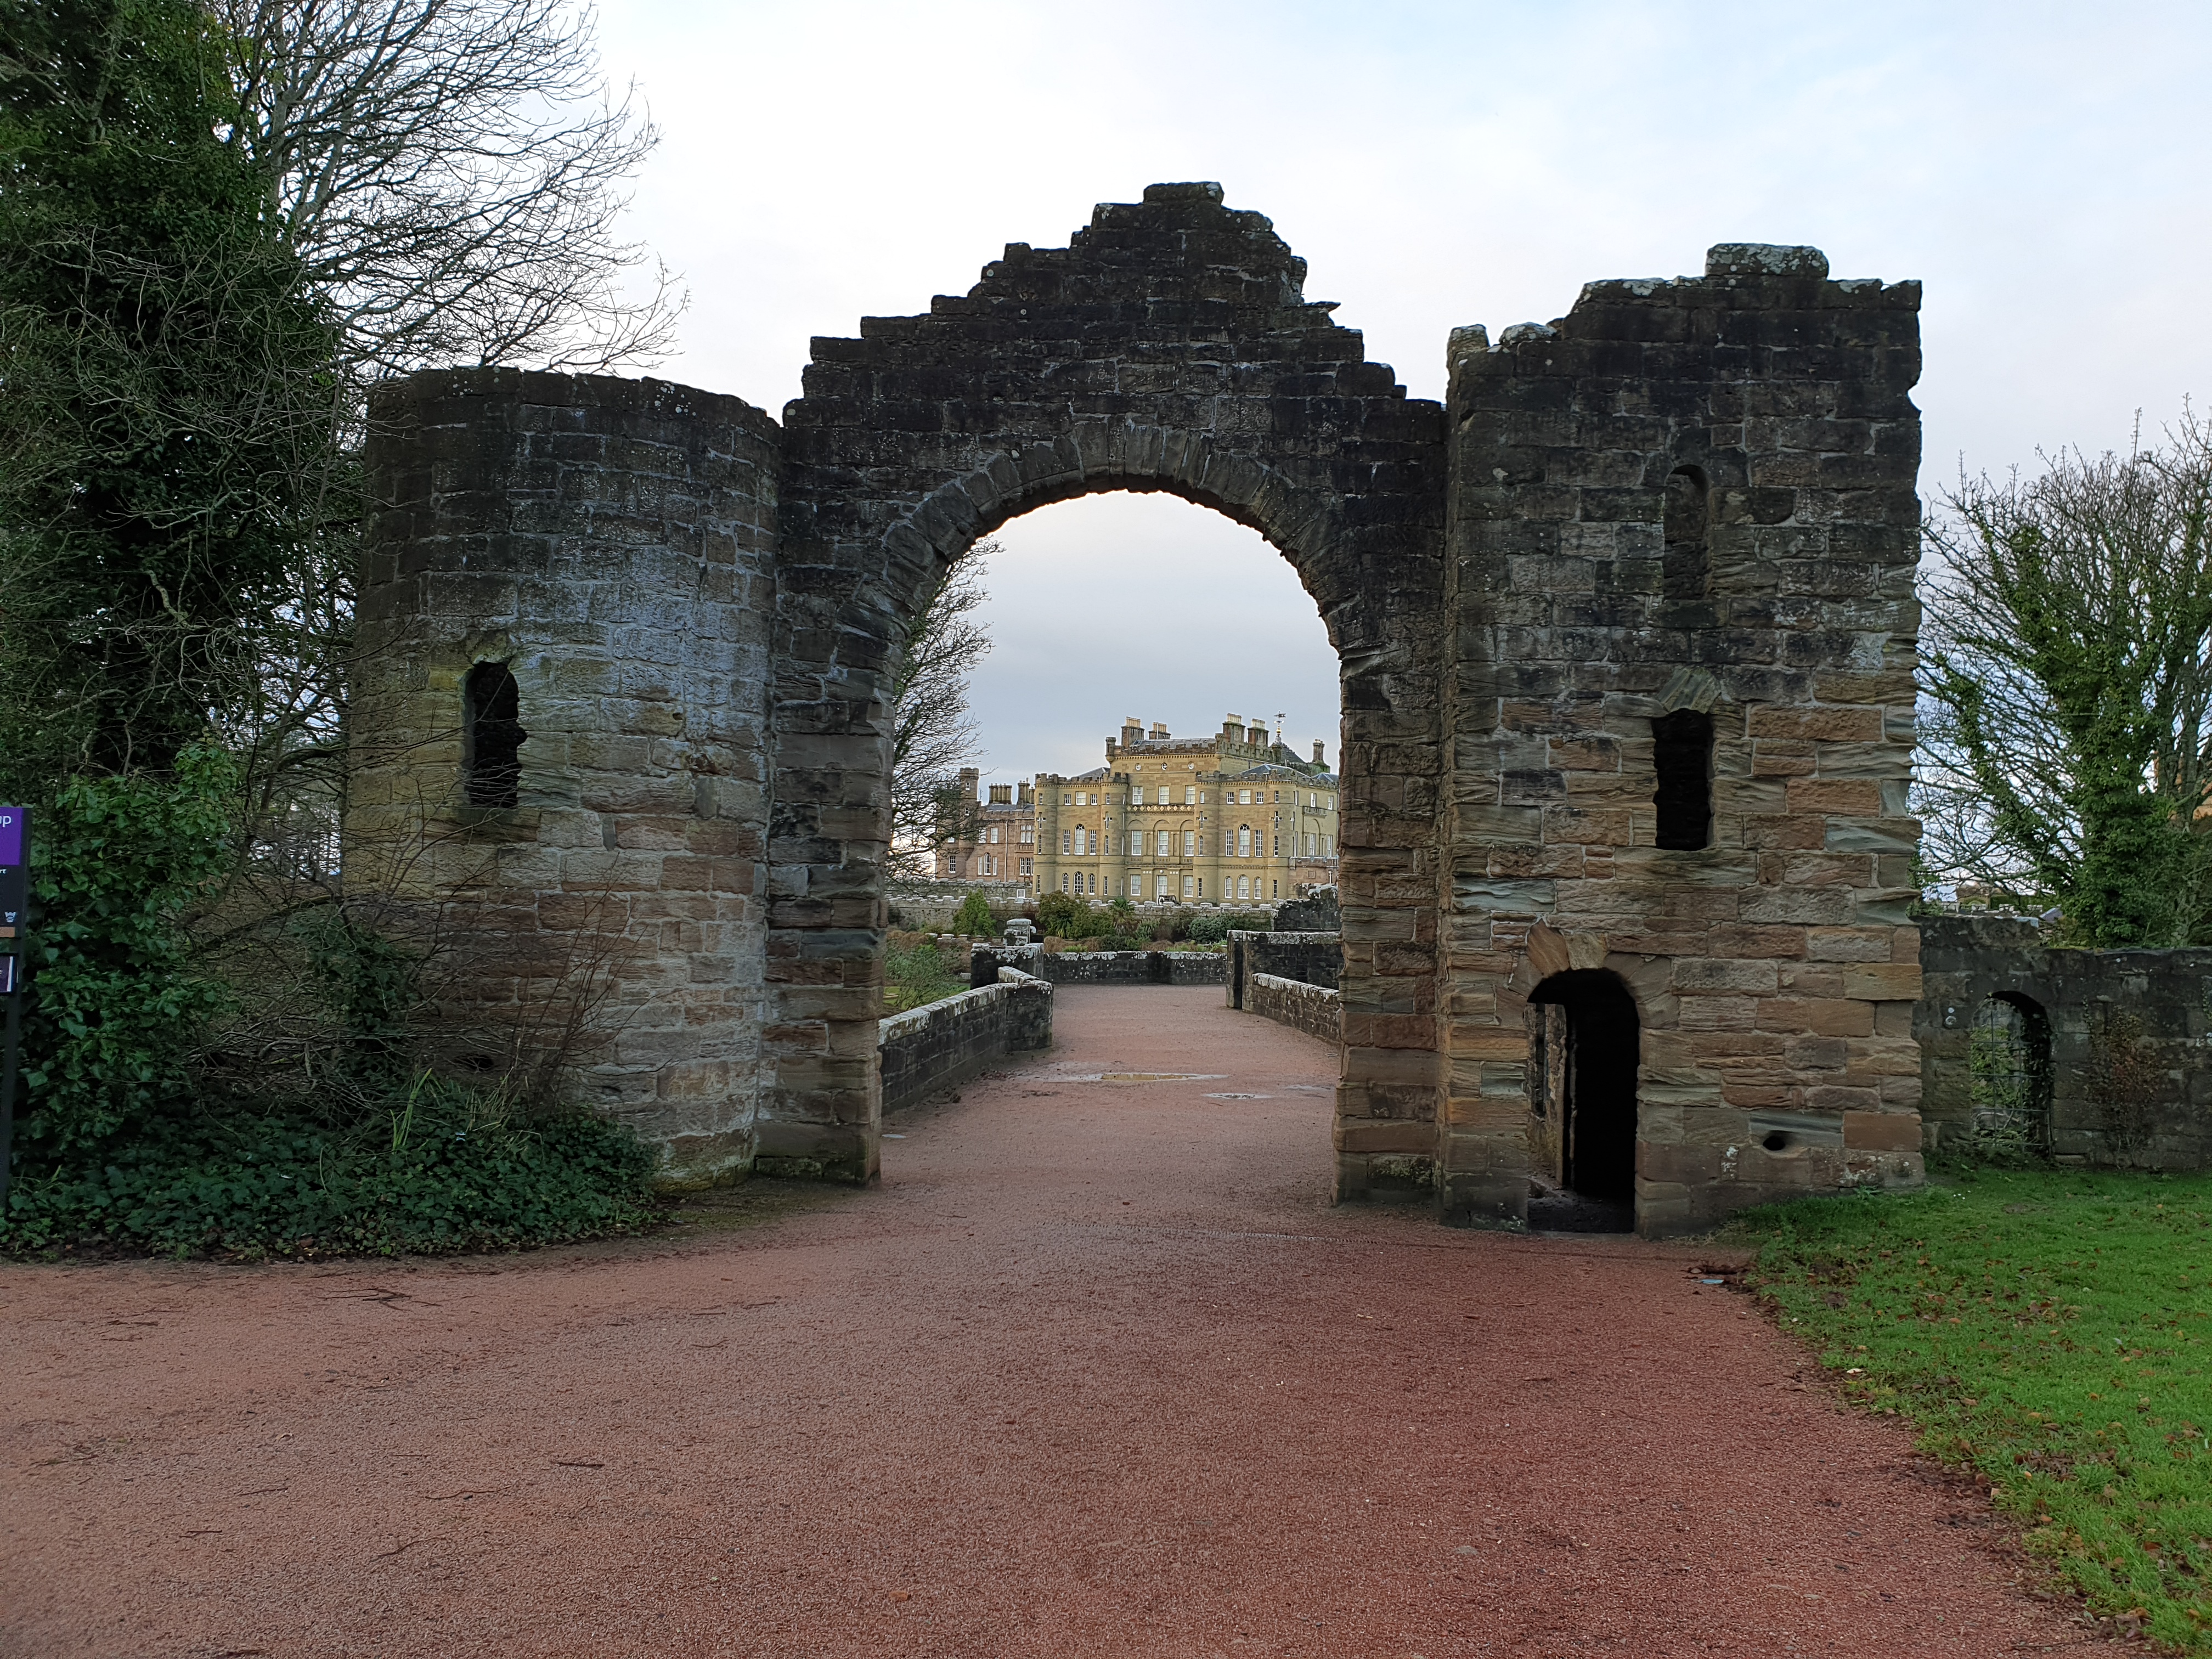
[(1233, 816)]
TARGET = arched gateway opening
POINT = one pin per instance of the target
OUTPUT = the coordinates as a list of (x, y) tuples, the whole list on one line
[(1170, 347)]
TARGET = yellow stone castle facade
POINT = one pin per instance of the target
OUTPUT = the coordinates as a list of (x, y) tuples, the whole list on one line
[(1234, 817)]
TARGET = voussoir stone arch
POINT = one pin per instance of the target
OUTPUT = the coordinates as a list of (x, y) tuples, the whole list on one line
[(1170, 347), (1098, 456)]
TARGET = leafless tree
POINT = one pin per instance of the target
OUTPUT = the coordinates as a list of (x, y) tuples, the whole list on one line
[(932, 732), (450, 173)]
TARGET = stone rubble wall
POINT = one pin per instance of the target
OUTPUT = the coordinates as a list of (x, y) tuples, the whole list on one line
[(1313, 1009), (926, 1051), (1136, 967), (2150, 1011)]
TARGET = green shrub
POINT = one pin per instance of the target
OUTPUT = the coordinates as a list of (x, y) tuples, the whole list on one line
[(449, 1167), (973, 916), (134, 1138), (1062, 915), (1208, 929), (116, 1009), (916, 976)]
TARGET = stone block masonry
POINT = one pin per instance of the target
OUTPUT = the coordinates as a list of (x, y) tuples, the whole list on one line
[(1625, 631), (925, 1051), (610, 545), (1313, 1009), (1684, 514)]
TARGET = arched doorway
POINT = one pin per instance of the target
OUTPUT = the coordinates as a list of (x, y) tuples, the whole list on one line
[(1170, 347), (1585, 1049), (2009, 1056)]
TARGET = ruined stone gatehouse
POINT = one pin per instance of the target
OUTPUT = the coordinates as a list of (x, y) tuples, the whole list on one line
[(1625, 628)]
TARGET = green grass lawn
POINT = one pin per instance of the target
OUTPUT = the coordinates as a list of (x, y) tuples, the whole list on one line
[(2050, 1330)]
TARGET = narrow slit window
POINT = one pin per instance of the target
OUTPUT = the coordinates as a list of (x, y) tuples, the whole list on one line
[(491, 736), (1686, 568), (1682, 748)]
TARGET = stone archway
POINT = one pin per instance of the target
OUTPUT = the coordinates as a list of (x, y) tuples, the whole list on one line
[(1170, 347), (1625, 631)]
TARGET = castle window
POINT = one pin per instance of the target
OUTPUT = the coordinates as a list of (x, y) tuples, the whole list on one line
[(1682, 751), (1189, 796), (1685, 571), (491, 736), (1244, 841)]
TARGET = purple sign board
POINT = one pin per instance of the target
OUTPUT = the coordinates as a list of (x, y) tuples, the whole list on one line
[(12, 820)]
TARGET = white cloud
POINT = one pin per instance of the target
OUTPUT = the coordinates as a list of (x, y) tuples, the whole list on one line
[(2040, 167)]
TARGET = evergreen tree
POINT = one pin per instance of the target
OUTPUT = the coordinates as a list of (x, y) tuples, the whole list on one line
[(167, 416)]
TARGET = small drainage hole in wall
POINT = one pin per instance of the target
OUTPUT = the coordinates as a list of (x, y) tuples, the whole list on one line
[(1776, 1141)]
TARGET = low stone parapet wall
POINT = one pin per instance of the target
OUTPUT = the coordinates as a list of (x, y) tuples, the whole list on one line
[(1309, 958), (1135, 967), (928, 1050), (929, 907), (1312, 1009)]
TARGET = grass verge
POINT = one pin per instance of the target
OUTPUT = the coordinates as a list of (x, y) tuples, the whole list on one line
[(2050, 1330)]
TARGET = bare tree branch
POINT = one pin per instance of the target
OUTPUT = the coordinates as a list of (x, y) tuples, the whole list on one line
[(449, 172), (932, 734)]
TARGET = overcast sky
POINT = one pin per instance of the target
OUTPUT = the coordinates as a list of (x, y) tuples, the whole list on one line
[(2045, 169)]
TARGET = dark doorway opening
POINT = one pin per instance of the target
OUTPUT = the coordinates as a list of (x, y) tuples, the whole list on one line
[(1586, 1046), (2009, 1055)]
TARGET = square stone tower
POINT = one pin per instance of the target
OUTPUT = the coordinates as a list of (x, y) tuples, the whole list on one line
[(1681, 542)]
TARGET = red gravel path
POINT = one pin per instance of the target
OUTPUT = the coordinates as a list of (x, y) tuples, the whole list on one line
[(1094, 1371)]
